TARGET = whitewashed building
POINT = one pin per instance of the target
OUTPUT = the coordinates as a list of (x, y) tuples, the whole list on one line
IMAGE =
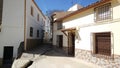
[(91, 33), (47, 30), (75, 7), (20, 21)]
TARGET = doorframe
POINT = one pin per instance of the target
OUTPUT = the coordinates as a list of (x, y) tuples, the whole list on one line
[(6, 47), (93, 44), (71, 43), (58, 38), (4, 53)]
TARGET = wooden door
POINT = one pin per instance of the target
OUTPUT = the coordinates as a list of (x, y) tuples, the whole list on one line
[(71, 43), (103, 43), (60, 41)]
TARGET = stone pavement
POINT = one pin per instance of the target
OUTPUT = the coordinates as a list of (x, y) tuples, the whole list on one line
[(60, 62), (48, 57)]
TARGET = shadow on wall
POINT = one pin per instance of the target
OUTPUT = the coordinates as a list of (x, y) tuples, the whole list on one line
[(20, 49)]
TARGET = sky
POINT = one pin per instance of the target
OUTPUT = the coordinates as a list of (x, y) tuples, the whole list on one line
[(49, 5)]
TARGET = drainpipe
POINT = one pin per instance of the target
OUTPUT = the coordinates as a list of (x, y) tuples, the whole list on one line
[(25, 41)]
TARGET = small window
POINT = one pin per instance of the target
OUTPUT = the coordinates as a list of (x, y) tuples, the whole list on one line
[(59, 25), (37, 33), (38, 17), (103, 12), (31, 31), (32, 10)]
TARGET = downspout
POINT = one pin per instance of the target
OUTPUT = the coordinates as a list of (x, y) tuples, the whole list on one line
[(52, 28), (25, 41)]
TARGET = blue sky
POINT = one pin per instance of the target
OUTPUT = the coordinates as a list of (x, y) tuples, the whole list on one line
[(47, 5)]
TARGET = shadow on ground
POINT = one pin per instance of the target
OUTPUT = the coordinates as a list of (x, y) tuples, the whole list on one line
[(48, 50)]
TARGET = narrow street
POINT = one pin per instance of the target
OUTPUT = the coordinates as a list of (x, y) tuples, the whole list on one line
[(59, 34), (49, 57)]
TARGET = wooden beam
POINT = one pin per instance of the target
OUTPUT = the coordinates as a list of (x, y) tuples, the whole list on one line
[(64, 33)]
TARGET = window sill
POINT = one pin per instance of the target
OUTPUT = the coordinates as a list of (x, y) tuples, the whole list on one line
[(102, 21)]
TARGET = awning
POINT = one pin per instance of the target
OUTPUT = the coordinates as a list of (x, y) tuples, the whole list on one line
[(68, 30)]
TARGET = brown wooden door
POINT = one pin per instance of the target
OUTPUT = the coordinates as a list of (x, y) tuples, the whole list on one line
[(103, 43), (71, 43)]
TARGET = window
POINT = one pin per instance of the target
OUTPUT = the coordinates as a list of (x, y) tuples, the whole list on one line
[(37, 33), (32, 11), (59, 25), (31, 31), (103, 12), (38, 17), (103, 43)]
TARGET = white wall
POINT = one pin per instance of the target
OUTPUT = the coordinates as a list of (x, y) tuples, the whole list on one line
[(33, 22), (47, 36), (85, 20), (75, 7), (12, 25), (58, 32), (47, 24), (85, 36)]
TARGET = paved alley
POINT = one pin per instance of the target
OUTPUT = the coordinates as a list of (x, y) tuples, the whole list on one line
[(60, 62), (49, 57)]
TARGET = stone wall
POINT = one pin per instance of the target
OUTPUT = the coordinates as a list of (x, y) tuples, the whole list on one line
[(100, 60)]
